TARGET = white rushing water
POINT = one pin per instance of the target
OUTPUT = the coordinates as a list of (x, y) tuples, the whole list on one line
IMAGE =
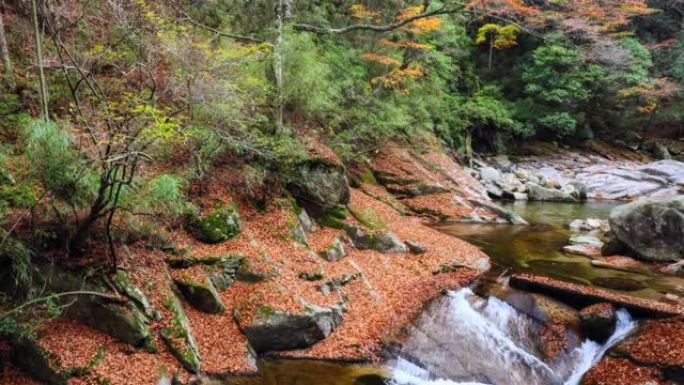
[(468, 340)]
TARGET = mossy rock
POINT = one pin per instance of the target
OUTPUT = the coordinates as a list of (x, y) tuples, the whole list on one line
[(334, 218), (126, 323), (222, 224), (311, 276), (44, 366), (223, 273), (246, 274), (201, 295), (178, 336)]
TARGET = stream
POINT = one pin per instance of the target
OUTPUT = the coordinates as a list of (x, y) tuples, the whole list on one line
[(467, 339)]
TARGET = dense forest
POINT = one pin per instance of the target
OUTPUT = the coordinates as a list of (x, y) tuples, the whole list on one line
[(114, 114)]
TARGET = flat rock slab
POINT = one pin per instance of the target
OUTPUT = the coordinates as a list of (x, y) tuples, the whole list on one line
[(581, 295)]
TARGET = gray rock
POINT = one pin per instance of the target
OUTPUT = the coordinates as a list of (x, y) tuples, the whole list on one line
[(654, 230), (305, 220), (583, 250), (383, 241), (320, 184), (676, 268), (178, 336), (416, 248), (501, 162), (494, 191), (489, 175), (541, 193), (518, 196), (276, 330), (335, 252), (201, 295), (297, 233)]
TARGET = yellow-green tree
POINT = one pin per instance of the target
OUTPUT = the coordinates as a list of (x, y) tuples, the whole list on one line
[(498, 37)]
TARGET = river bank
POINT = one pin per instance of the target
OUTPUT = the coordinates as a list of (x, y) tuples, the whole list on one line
[(335, 269)]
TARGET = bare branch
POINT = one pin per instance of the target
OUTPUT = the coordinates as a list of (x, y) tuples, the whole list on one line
[(380, 28)]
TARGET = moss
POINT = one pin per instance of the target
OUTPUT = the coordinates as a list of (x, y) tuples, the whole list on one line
[(265, 312), (334, 218), (178, 337), (311, 276), (369, 219), (448, 268), (221, 224)]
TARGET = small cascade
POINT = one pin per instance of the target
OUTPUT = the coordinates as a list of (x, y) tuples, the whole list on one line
[(465, 339)]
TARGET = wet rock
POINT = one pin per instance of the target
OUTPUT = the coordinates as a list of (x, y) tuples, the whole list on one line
[(618, 283), (621, 263), (541, 193), (598, 321), (614, 246), (542, 308), (415, 248), (518, 196), (586, 240), (383, 241), (583, 250), (334, 252), (221, 224), (589, 224), (201, 295), (675, 268), (654, 230), (318, 185), (276, 330), (178, 336)]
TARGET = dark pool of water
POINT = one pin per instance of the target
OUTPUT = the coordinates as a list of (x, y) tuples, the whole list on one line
[(536, 248)]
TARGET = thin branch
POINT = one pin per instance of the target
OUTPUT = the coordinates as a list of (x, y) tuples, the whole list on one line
[(58, 295), (379, 28)]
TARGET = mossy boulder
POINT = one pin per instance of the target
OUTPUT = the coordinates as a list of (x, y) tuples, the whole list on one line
[(201, 295), (222, 224), (318, 184), (178, 336), (36, 362), (126, 322), (654, 230), (383, 241), (334, 252)]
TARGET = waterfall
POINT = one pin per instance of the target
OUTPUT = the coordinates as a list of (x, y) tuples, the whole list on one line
[(468, 340)]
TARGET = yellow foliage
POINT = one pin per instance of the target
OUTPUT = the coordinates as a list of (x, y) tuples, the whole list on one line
[(381, 59), (419, 26), (499, 36), (397, 78), (404, 44), (359, 11)]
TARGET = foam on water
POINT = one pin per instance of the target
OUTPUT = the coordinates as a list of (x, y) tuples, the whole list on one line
[(468, 340)]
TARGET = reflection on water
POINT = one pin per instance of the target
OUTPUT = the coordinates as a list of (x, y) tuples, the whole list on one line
[(536, 248)]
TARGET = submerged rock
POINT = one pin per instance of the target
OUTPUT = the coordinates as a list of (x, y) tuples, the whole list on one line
[(586, 240), (598, 321), (276, 330), (654, 230)]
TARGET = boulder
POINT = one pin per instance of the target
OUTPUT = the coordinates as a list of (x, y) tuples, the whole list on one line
[(583, 250), (654, 230), (305, 221), (334, 252), (501, 162), (676, 268), (598, 321), (536, 192), (276, 330), (318, 185), (489, 175), (221, 224), (201, 295)]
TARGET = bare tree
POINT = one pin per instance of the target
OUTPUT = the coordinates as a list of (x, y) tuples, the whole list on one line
[(8, 74), (42, 84)]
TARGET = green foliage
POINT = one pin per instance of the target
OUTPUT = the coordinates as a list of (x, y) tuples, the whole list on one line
[(560, 123), (164, 195), (17, 257), (369, 218), (55, 164)]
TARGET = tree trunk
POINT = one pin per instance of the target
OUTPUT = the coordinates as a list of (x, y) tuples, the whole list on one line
[(8, 74), (491, 52), (283, 12), (42, 84)]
